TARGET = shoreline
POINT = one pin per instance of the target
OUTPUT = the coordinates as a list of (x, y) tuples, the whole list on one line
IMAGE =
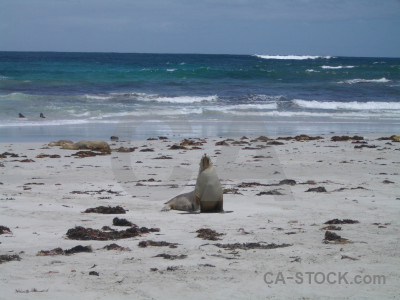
[(140, 129), (45, 191)]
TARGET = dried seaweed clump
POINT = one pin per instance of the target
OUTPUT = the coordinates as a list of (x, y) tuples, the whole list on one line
[(331, 237), (4, 230), (144, 244), (171, 257), (81, 233), (116, 247), (248, 246), (106, 210), (208, 234), (59, 251), (121, 222), (344, 221), (6, 258)]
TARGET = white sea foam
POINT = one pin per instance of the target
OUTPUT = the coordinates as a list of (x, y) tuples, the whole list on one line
[(336, 67), (335, 105), (97, 97), (178, 99), (84, 114), (357, 80), (312, 71), (171, 70), (295, 57), (245, 107), (29, 123)]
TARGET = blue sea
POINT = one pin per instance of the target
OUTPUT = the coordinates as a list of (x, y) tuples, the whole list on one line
[(136, 96)]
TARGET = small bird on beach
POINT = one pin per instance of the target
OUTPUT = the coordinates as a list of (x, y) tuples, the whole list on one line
[(42, 116), (21, 115)]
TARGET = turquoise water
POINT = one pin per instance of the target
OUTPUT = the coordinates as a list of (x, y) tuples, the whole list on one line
[(85, 95)]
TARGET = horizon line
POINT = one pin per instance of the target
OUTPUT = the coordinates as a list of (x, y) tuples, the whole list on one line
[(189, 53)]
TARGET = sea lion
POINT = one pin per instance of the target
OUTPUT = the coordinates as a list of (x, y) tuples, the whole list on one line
[(96, 145), (21, 115), (42, 116), (208, 191), (60, 143), (186, 202)]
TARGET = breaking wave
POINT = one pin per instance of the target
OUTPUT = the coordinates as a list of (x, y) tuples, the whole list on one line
[(357, 80), (178, 99), (335, 105), (337, 67), (293, 57)]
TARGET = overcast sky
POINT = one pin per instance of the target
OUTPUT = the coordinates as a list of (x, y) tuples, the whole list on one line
[(274, 27)]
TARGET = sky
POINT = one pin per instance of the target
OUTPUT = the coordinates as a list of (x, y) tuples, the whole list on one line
[(267, 27)]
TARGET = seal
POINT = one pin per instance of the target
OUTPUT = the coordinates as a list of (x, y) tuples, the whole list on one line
[(60, 143), (208, 191), (95, 145), (186, 202)]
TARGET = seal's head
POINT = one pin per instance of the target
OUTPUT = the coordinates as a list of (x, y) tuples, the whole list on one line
[(205, 162)]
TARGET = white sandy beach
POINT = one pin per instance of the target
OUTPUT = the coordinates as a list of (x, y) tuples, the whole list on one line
[(42, 198)]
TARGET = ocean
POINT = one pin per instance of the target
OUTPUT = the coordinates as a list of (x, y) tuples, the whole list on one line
[(136, 96)]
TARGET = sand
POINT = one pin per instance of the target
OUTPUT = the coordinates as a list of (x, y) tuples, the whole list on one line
[(273, 233)]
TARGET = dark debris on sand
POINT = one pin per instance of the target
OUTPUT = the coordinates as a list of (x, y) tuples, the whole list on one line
[(94, 273), (332, 227), (271, 192), (248, 246), (250, 184), (126, 149), (171, 257), (83, 154), (335, 238), (95, 192), (346, 138), (319, 189), (344, 221), (6, 154), (7, 258), (59, 251), (393, 138), (116, 247), (121, 222), (48, 155), (4, 230), (301, 137), (81, 233), (208, 234), (144, 244), (106, 210)]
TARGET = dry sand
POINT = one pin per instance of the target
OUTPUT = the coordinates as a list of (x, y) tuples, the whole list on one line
[(42, 198)]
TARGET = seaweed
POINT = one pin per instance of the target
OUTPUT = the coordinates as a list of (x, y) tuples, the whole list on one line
[(344, 221), (248, 246), (116, 247), (106, 210), (271, 192), (171, 257), (7, 258), (81, 233), (335, 238), (59, 251), (144, 244), (208, 234), (121, 222), (319, 189), (4, 230)]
